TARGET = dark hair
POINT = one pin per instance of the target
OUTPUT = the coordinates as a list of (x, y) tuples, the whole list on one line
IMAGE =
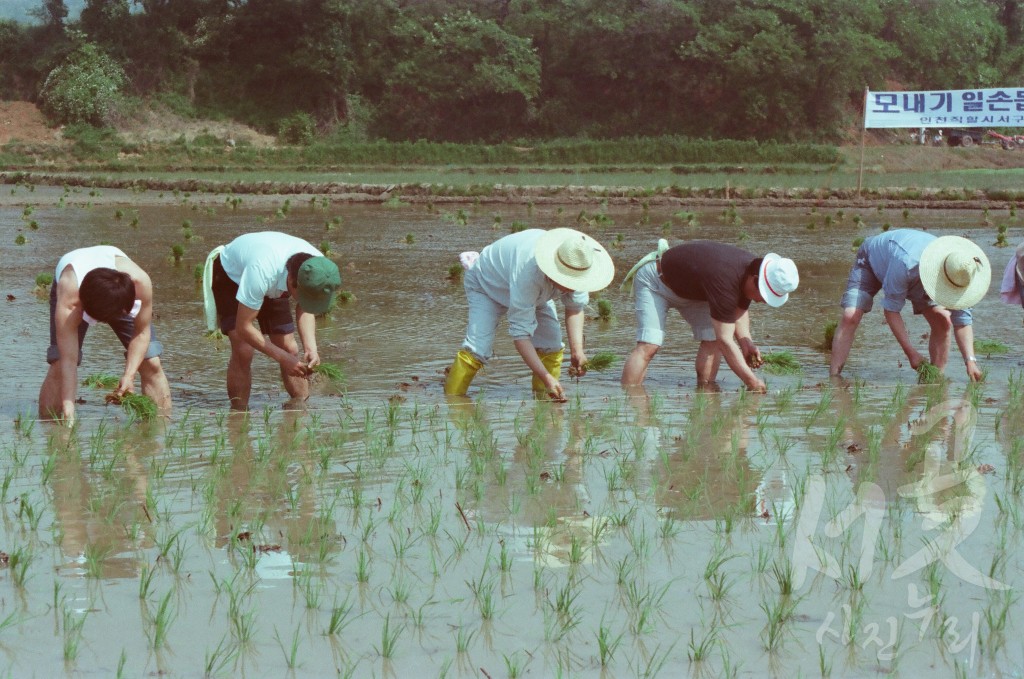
[(294, 262), (754, 268), (107, 294)]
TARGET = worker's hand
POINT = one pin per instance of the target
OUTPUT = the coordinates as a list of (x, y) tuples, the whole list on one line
[(555, 391), (312, 358), (974, 372), (125, 386), (296, 368), (757, 386), (916, 359), (578, 365), (751, 353)]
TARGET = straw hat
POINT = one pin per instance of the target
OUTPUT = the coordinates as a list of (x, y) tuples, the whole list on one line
[(574, 260), (955, 272), (1019, 257), (777, 278)]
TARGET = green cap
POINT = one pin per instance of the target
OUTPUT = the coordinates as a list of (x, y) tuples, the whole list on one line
[(318, 279)]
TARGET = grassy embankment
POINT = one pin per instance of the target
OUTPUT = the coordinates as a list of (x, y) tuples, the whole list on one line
[(661, 168)]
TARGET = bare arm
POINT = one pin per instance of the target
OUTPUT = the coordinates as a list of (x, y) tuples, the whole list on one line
[(899, 331), (252, 336), (574, 330), (725, 333), (139, 344), (751, 354), (965, 342), (306, 324)]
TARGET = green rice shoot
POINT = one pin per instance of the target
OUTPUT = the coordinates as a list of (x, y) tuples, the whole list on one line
[(989, 347), (828, 335), (781, 363), (101, 381), (927, 373)]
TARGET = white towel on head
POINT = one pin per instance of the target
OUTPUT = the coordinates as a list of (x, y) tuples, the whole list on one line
[(209, 303), (468, 259), (136, 307)]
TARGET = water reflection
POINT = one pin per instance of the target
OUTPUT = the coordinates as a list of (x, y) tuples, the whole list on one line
[(100, 492)]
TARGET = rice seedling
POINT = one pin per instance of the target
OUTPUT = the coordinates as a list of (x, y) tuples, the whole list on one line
[(927, 373), (177, 252), (74, 624), (781, 363), (20, 239), (604, 309), (455, 272), (600, 361), (828, 333)]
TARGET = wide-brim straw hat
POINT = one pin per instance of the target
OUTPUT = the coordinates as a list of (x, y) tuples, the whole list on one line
[(955, 272), (574, 260)]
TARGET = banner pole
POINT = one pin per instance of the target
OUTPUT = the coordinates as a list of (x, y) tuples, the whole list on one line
[(863, 135)]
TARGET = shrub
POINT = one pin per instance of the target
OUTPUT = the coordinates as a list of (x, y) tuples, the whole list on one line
[(298, 128), (85, 88)]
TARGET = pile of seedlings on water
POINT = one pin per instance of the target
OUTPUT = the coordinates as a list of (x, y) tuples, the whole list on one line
[(101, 381), (43, 283), (138, 406), (990, 347), (780, 363), (455, 273)]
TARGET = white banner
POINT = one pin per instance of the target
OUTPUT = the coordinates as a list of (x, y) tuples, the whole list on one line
[(945, 108)]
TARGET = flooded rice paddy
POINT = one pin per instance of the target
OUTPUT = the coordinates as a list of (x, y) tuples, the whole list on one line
[(862, 528)]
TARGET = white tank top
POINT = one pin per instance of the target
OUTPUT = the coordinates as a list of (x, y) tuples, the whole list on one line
[(84, 260)]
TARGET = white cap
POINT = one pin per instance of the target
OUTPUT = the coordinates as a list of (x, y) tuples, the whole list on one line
[(777, 278)]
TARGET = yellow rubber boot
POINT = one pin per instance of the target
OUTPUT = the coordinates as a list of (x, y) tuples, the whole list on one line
[(461, 373), (553, 364)]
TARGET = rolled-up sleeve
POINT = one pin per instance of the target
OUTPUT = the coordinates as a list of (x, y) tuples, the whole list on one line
[(575, 301)]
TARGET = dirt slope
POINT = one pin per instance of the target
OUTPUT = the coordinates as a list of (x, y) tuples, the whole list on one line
[(22, 121)]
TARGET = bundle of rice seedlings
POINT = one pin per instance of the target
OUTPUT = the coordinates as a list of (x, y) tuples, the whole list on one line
[(138, 406), (101, 381), (780, 363), (989, 347), (455, 273), (602, 360), (927, 373), (330, 371), (604, 309)]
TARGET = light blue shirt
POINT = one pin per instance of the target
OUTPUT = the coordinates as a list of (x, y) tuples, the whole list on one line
[(894, 258), (507, 272)]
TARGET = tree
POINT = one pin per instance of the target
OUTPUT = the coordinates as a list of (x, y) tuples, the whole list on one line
[(469, 79), (85, 88), (108, 24), (782, 68)]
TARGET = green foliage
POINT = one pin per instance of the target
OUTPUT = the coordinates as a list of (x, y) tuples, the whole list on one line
[(101, 381), (927, 373), (84, 88), (298, 128), (602, 360)]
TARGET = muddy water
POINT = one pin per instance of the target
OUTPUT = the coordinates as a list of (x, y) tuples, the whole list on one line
[(612, 535)]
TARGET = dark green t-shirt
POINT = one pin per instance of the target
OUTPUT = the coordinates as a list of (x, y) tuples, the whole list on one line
[(708, 271)]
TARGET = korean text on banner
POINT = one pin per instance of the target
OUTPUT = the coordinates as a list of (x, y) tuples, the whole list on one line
[(1002, 107)]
